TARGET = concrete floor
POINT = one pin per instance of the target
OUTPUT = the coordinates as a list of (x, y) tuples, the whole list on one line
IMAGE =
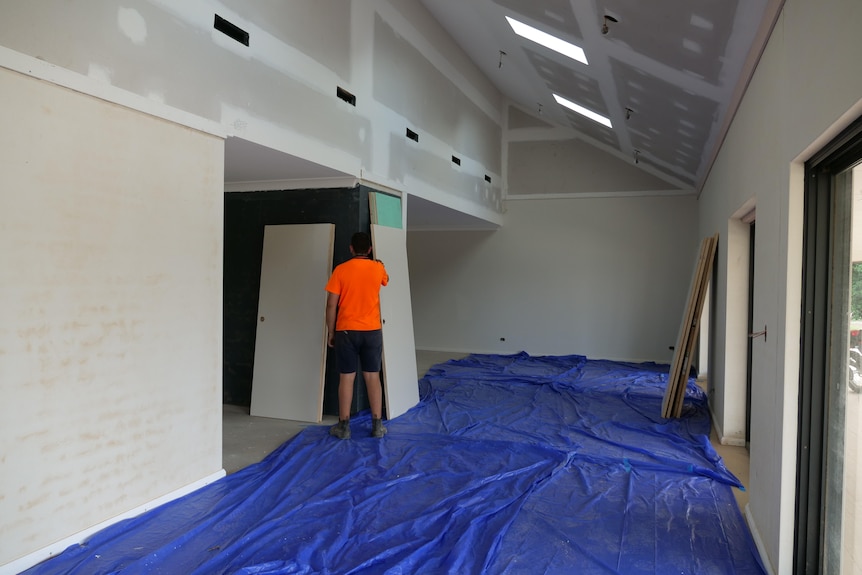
[(248, 439), (736, 460)]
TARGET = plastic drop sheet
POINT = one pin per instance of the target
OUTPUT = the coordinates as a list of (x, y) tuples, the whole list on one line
[(508, 464)]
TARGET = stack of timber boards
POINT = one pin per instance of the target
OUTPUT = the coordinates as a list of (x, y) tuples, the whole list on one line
[(677, 378)]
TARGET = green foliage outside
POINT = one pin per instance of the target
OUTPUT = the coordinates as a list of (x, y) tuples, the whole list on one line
[(856, 292)]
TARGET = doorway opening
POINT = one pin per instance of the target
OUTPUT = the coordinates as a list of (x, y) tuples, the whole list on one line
[(732, 405), (750, 220)]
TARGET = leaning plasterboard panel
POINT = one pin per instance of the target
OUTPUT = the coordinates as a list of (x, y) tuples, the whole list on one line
[(400, 383), (290, 346)]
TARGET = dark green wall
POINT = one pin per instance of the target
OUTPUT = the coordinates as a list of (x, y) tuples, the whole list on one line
[(245, 215)]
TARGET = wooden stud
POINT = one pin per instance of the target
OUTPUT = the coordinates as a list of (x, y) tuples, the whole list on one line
[(677, 381)]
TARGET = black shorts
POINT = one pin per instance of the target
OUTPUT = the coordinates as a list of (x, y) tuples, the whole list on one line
[(366, 346)]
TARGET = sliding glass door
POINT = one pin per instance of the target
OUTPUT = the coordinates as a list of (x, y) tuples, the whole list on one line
[(829, 508), (849, 408)]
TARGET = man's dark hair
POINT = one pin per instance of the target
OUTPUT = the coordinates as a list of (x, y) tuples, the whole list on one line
[(361, 243)]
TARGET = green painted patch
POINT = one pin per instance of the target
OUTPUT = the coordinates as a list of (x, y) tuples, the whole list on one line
[(385, 210)]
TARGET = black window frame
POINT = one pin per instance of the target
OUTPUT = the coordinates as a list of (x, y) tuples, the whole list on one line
[(840, 154)]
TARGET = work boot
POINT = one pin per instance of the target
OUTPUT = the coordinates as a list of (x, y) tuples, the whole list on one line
[(341, 430), (377, 429)]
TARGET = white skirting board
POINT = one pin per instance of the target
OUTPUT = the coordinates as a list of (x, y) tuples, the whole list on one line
[(758, 541), (31, 559)]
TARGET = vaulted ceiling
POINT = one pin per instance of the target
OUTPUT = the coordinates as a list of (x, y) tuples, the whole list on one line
[(668, 74)]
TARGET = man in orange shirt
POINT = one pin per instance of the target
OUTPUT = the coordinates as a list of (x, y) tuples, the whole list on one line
[(355, 330)]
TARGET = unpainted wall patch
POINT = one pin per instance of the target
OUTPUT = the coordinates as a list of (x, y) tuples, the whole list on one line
[(230, 29), (100, 73), (133, 25), (346, 96)]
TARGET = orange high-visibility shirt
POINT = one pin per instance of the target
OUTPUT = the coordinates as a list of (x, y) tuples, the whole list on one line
[(357, 283)]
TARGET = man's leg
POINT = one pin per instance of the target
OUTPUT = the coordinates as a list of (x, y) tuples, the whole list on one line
[(345, 394), (375, 392), (346, 361), (375, 399), (345, 398)]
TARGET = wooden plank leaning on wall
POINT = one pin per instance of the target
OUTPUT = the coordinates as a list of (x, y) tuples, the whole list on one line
[(689, 330)]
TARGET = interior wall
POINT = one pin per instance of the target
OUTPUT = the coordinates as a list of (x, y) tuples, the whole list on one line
[(110, 328), (805, 89), (603, 277), (280, 91), (165, 57), (572, 166)]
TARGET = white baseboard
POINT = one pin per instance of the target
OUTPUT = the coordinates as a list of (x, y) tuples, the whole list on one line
[(719, 433), (734, 441), (758, 541), (532, 353), (31, 559), (460, 351)]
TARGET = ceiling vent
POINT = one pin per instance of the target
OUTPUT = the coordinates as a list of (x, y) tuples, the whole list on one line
[(346, 96), (232, 30)]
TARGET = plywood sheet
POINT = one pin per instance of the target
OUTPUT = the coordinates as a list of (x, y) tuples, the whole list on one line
[(689, 329), (290, 349), (695, 330), (400, 383), (684, 331)]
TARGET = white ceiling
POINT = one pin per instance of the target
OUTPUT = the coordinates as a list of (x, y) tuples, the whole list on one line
[(668, 73), (245, 161), (679, 66)]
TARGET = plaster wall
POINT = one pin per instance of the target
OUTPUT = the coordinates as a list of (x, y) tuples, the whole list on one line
[(110, 327), (805, 89), (280, 90), (572, 166), (110, 345), (604, 277)]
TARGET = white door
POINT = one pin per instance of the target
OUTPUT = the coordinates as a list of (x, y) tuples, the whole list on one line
[(290, 347), (400, 381)]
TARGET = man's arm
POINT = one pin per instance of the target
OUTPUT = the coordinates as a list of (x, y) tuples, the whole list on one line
[(331, 311)]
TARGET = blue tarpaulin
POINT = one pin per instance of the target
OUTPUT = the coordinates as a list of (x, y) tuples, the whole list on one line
[(508, 464)]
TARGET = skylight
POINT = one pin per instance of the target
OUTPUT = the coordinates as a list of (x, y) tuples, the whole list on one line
[(548, 41), (583, 111)]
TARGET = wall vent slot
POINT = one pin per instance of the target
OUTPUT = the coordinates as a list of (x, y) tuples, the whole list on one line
[(231, 30), (346, 96), (487, 178), (412, 135), (456, 160)]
